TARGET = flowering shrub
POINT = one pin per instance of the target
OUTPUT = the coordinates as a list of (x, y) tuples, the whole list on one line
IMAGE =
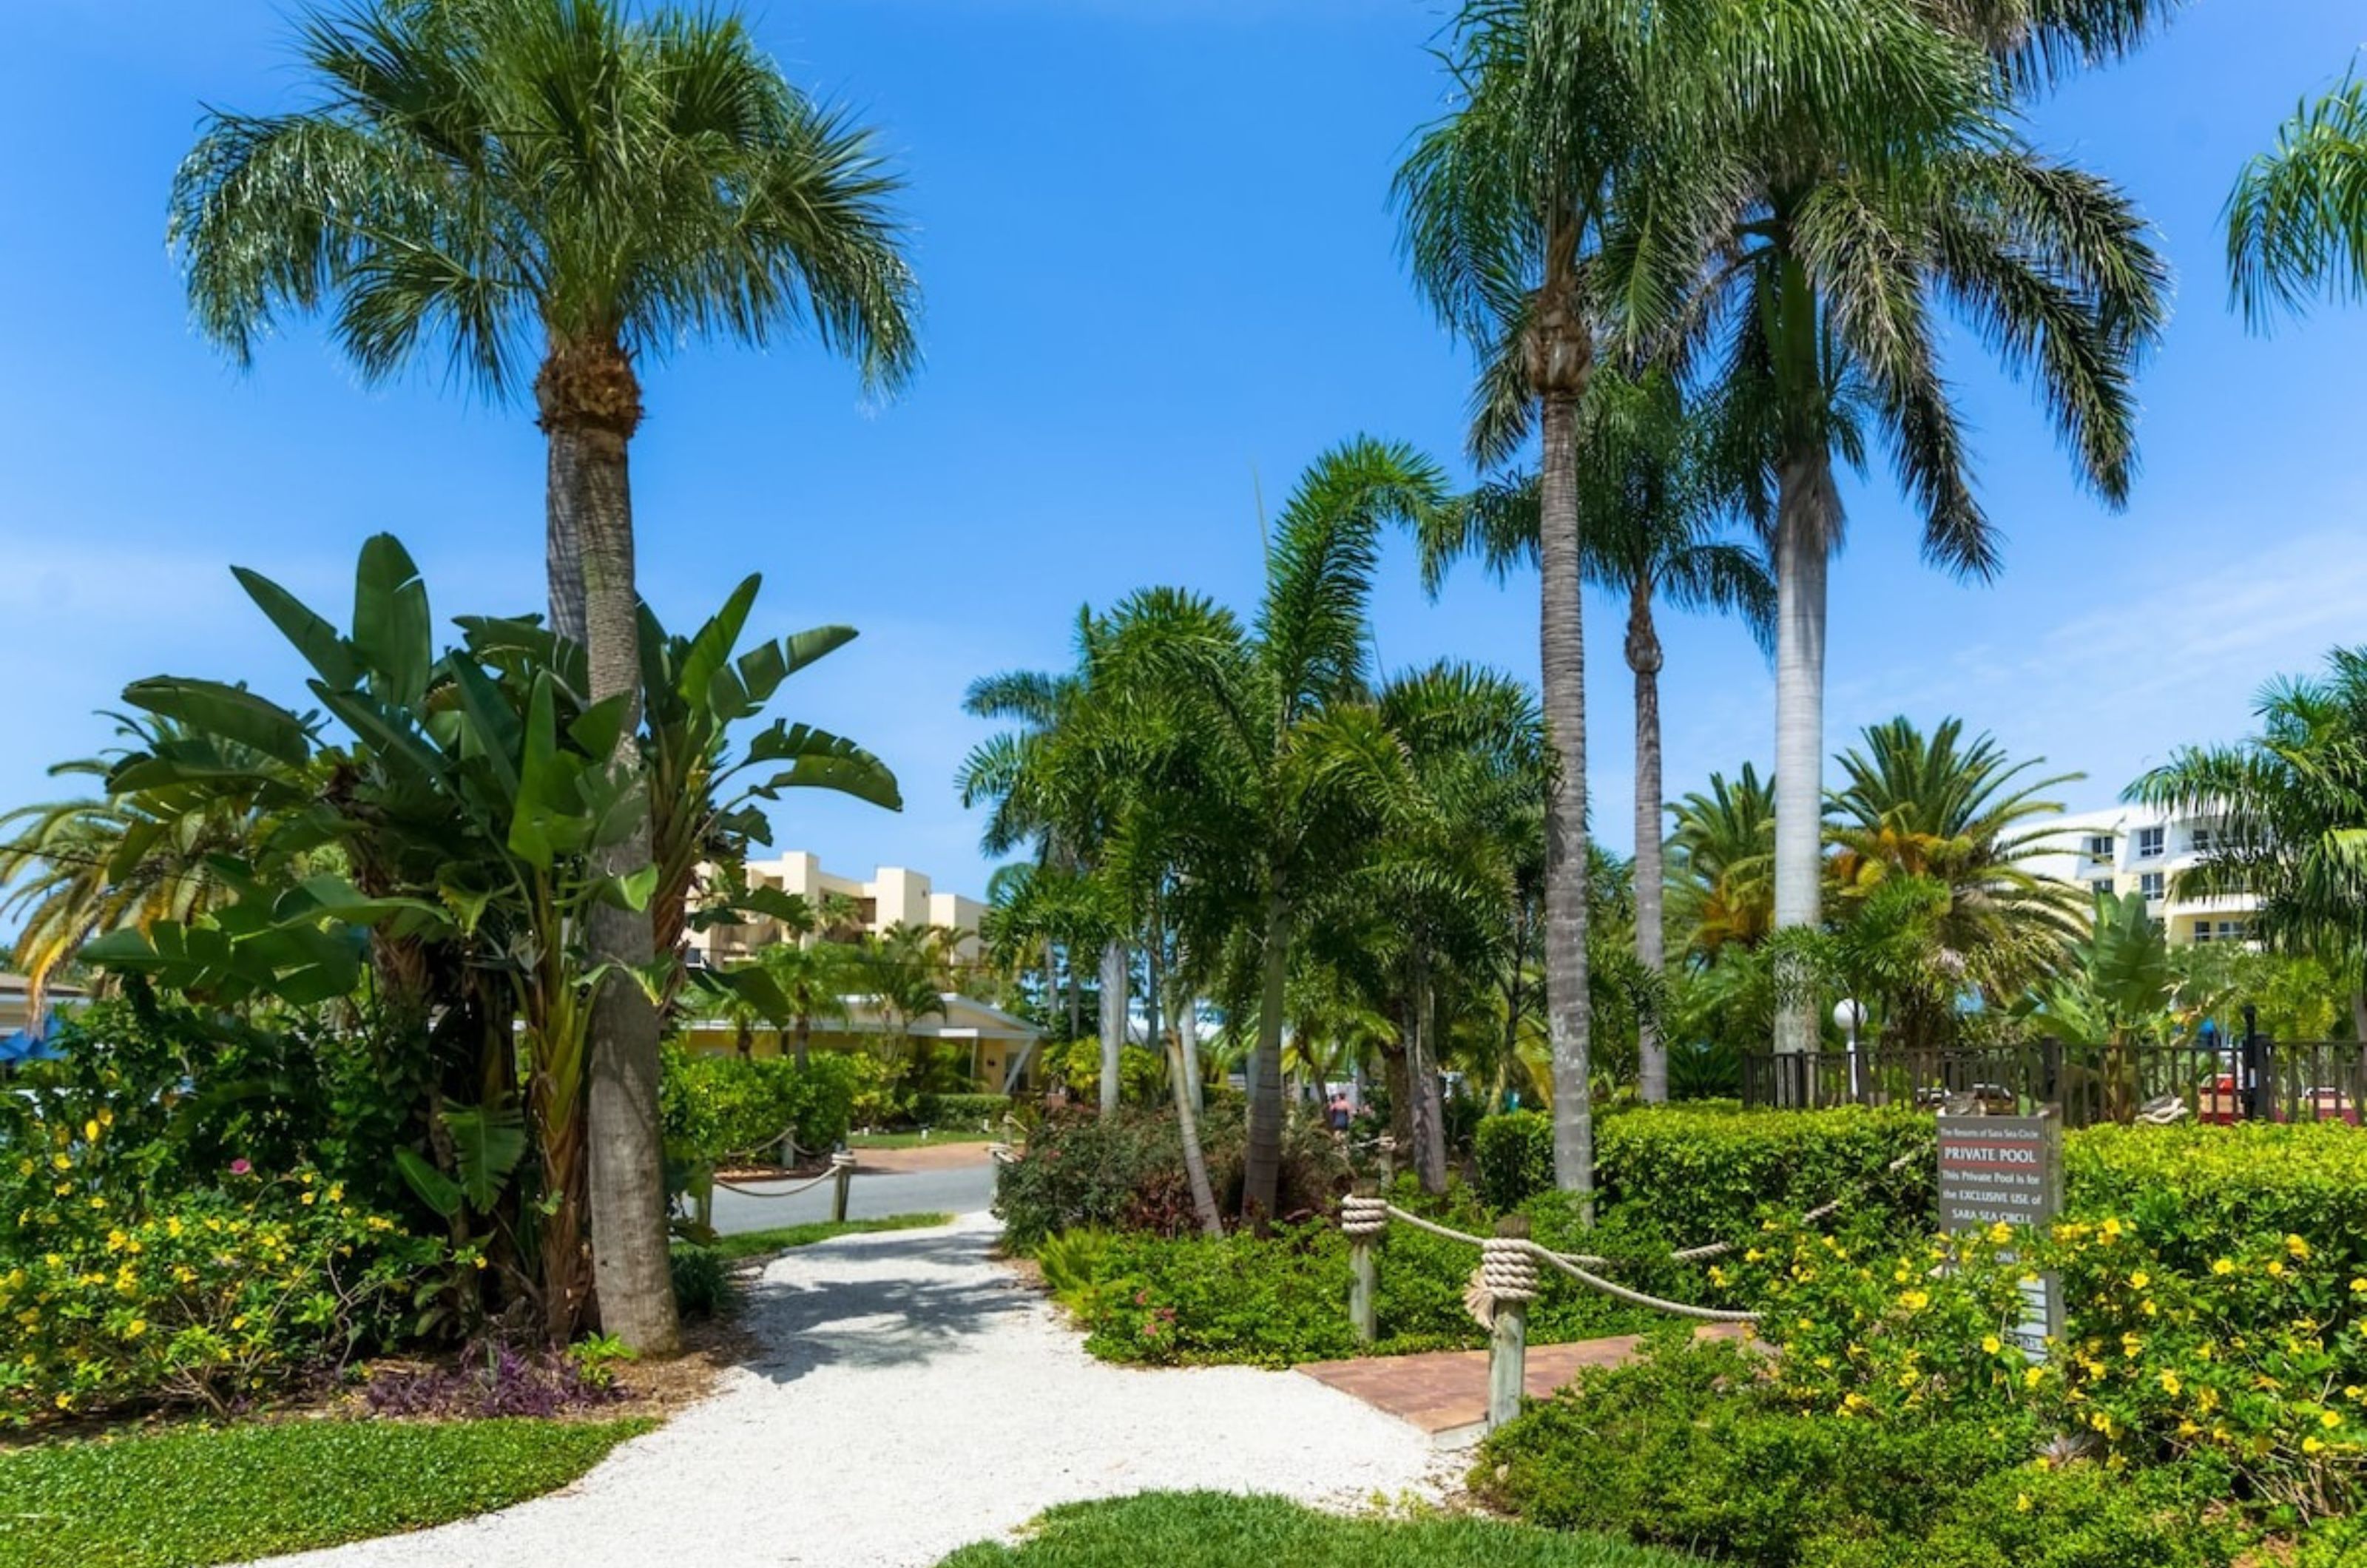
[(215, 1295), (495, 1380), (2254, 1363)]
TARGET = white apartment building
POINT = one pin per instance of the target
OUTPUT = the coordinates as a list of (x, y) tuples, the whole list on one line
[(894, 896), (2137, 848)]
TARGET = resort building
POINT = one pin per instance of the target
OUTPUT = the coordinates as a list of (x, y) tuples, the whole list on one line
[(1000, 1046), (2137, 848), (894, 897)]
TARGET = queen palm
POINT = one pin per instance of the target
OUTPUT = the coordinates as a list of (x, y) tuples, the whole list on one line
[(1723, 842), (543, 193), (1820, 310), (1650, 490), (1273, 821), (2297, 218)]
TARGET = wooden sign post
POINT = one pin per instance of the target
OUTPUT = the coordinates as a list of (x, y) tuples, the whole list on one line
[(2008, 1170)]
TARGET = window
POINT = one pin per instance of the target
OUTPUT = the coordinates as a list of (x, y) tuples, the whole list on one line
[(2149, 842), (2101, 887), (2201, 841), (2202, 931), (2152, 885), (2099, 846)]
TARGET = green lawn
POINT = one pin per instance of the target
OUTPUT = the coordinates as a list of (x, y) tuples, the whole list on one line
[(916, 1140), (757, 1244), (201, 1496), (1215, 1529)]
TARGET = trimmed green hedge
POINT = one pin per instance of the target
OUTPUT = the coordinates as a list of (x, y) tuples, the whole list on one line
[(2201, 1193), (716, 1108), (1514, 1154), (1705, 1176)]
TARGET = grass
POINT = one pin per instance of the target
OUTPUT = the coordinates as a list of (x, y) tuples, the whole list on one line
[(1216, 1529), (209, 1495), (919, 1140), (757, 1244)]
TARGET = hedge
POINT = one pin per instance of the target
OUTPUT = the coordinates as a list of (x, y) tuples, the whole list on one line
[(719, 1108), (1706, 1176), (1514, 1154), (2198, 1193)]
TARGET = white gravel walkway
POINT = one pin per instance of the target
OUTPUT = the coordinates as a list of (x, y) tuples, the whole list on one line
[(911, 1397)]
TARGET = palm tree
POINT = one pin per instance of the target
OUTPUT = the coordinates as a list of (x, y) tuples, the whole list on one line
[(1654, 503), (1044, 786), (78, 868), (2292, 804), (2297, 218), (1724, 841), (555, 183), (1272, 820), (1962, 817), (1819, 307)]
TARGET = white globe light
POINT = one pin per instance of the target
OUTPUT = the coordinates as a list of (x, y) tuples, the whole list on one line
[(1850, 1016)]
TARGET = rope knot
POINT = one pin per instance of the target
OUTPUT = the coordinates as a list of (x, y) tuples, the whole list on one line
[(1508, 1269), (1362, 1219), (843, 1159)]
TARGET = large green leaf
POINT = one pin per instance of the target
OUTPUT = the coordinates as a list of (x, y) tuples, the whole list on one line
[(819, 760), (490, 725), (435, 1190), (231, 712), (322, 646), (393, 630), (709, 651), (487, 1141)]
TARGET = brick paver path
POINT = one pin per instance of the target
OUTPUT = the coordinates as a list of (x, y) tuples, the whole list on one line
[(1445, 1393)]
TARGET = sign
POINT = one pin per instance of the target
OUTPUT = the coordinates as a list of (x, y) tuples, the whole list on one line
[(2006, 1170)]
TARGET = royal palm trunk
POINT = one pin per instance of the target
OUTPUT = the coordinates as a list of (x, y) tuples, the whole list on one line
[(1560, 358), (1114, 1007), (590, 402), (1808, 510), (1643, 658)]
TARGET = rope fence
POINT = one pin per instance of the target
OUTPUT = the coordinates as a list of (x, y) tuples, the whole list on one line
[(1507, 1280)]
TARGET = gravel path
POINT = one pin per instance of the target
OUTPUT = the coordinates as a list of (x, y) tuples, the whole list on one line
[(910, 1398)]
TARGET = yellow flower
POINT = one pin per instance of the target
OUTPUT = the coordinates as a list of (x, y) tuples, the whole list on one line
[(2359, 1285), (2033, 1375), (90, 1130), (61, 1162), (1915, 1301), (2223, 1266), (2169, 1383), (2277, 1268), (336, 1192), (2298, 1247), (2111, 1228), (2000, 1233), (2022, 1503), (2328, 1419), (306, 1200), (135, 1328), (2140, 1280), (2311, 1445), (1990, 1345)]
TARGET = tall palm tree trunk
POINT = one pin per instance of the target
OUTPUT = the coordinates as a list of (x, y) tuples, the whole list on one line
[(1180, 1083), (1427, 1119), (590, 402), (1560, 358), (1113, 1004), (1644, 657), (1807, 512), (801, 1040), (1262, 1164), (1187, 1040)]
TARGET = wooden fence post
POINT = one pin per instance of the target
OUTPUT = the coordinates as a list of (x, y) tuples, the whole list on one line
[(1363, 1218), (842, 1172), (1509, 1276)]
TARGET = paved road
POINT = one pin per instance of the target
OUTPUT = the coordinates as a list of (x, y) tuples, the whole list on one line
[(963, 1189)]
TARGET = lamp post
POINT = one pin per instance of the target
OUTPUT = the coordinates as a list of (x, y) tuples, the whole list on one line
[(1849, 1017)]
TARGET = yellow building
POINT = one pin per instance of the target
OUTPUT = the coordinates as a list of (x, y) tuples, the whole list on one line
[(894, 897), (2137, 849)]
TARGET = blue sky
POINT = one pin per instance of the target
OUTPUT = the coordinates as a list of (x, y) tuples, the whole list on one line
[(1159, 272)]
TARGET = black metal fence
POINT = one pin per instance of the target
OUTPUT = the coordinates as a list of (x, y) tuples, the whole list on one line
[(2255, 1078)]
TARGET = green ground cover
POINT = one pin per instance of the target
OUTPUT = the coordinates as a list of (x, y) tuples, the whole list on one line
[(919, 1140), (1216, 1529), (201, 1496)]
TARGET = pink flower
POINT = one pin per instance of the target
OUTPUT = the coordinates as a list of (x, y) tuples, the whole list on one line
[(241, 1167)]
